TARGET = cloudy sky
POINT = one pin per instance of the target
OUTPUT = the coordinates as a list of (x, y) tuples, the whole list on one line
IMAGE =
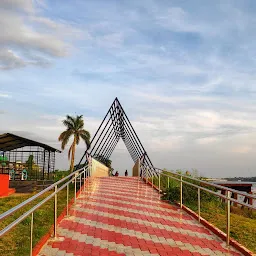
[(184, 72)]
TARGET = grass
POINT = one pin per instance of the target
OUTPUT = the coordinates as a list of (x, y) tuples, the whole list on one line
[(17, 241), (243, 221)]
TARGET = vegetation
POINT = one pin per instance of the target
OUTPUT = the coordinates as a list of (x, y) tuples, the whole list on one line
[(243, 221), (75, 128), (32, 168), (60, 174), (17, 241)]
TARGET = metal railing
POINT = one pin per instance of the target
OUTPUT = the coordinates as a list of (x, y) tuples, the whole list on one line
[(80, 176), (147, 174)]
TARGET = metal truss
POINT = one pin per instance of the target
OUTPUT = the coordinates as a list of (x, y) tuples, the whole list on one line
[(114, 126)]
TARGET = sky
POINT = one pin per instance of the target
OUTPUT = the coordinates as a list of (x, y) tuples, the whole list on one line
[(184, 72)]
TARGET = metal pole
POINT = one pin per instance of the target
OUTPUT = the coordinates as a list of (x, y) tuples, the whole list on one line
[(181, 192), (55, 212), (67, 198), (159, 183), (228, 217), (80, 182), (31, 234), (75, 189), (84, 181), (168, 182), (139, 169), (147, 175), (199, 204)]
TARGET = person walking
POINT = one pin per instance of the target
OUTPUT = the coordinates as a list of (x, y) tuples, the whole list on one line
[(126, 173)]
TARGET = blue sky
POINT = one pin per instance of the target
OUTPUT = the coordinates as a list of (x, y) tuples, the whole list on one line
[(184, 72)]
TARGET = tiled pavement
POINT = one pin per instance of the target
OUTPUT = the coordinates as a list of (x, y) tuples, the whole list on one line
[(123, 216)]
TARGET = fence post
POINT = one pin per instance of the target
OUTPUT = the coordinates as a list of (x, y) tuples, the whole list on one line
[(84, 181), (55, 212), (199, 204), (31, 233), (181, 192), (168, 182), (75, 187), (80, 181), (159, 182), (67, 197), (147, 175), (228, 217)]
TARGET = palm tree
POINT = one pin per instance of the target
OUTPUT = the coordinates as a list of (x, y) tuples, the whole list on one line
[(75, 127)]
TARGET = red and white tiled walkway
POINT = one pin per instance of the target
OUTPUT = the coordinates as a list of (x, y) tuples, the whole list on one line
[(124, 216)]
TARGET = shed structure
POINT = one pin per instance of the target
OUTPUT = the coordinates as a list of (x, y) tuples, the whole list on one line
[(18, 153)]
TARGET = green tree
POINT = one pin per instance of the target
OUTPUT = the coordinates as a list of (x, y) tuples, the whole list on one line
[(30, 163), (74, 127)]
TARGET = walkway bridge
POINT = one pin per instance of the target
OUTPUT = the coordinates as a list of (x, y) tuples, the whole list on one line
[(125, 215)]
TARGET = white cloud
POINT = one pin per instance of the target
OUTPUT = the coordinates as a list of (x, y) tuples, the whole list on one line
[(29, 38), (242, 149), (209, 140), (5, 95)]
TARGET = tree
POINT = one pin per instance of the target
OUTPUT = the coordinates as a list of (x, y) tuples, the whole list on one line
[(75, 128), (30, 163)]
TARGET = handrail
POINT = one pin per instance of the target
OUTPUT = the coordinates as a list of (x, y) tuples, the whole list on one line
[(31, 199), (26, 214), (226, 197), (207, 183), (85, 171)]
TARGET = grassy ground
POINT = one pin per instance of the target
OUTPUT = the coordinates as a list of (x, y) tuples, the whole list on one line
[(17, 241), (243, 221)]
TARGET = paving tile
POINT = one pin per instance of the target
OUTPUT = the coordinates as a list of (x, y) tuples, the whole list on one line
[(124, 216)]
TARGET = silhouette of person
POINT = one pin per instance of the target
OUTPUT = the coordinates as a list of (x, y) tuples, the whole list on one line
[(126, 173), (117, 174)]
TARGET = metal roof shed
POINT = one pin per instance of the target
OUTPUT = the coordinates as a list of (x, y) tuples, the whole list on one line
[(19, 152)]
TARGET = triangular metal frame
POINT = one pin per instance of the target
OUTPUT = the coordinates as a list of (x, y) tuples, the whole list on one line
[(114, 126)]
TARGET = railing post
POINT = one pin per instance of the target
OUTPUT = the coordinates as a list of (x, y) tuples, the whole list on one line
[(90, 171), (80, 181), (152, 180), (199, 204), (181, 192), (159, 182), (55, 212), (75, 187), (67, 198), (168, 182), (84, 181), (31, 233), (228, 217), (147, 175)]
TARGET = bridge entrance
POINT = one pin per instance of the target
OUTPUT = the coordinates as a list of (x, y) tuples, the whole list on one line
[(115, 126)]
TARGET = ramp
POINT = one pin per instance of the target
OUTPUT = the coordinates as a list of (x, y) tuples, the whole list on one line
[(124, 216)]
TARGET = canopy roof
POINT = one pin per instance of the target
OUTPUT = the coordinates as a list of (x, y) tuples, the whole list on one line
[(10, 142)]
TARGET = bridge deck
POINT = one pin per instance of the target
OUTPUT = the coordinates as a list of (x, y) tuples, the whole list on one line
[(123, 216)]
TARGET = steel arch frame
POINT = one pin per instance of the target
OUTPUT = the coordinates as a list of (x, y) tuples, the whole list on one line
[(114, 126)]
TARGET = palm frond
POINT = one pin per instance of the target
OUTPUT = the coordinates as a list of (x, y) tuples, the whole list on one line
[(64, 138), (85, 135), (68, 124), (79, 122), (71, 119)]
